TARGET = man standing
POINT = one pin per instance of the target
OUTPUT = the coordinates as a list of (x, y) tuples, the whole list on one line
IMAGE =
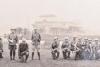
[(65, 49), (36, 38), (12, 39)]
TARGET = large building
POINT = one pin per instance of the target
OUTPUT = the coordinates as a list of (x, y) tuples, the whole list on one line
[(53, 25)]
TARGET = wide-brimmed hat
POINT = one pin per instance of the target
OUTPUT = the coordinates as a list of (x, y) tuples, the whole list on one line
[(23, 39), (66, 38), (55, 38)]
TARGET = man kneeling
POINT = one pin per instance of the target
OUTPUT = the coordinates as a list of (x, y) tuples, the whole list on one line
[(54, 47), (23, 51), (65, 48)]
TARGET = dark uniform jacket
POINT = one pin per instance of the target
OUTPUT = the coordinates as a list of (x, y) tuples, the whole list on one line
[(23, 47), (65, 45), (55, 45), (36, 37)]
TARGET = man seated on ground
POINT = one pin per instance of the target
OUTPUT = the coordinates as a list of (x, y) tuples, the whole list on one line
[(96, 49), (86, 49), (65, 49), (78, 55), (54, 47), (73, 48), (23, 51)]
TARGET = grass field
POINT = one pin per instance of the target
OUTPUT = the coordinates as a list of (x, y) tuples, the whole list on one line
[(46, 61)]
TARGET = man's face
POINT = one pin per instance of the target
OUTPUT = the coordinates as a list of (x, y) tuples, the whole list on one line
[(90, 42), (56, 39), (0, 40), (86, 40), (74, 39), (79, 40), (13, 31), (66, 40), (35, 30), (96, 41), (23, 41)]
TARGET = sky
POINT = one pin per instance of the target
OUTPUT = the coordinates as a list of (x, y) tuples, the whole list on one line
[(15, 13)]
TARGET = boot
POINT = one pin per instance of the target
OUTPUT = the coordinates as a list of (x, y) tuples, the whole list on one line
[(32, 55), (26, 58), (68, 54), (39, 55), (13, 57), (57, 55), (1, 55), (10, 57), (53, 55)]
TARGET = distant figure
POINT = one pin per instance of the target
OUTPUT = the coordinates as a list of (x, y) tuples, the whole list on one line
[(1, 48), (66, 49), (36, 39), (23, 51), (55, 49), (12, 39)]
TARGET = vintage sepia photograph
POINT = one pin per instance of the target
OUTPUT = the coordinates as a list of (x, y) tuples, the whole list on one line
[(49, 33)]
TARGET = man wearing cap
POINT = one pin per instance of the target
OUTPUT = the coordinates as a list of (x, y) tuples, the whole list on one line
[(12, 39), (36, 38), (23, 50), (55, 48), (65, 49)]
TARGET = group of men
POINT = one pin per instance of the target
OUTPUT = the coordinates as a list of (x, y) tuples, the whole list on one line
[(80, 48), (23, 49), (76, 48)]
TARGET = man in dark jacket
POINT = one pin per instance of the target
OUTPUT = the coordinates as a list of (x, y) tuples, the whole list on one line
[(23, 51), (12, 39)]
